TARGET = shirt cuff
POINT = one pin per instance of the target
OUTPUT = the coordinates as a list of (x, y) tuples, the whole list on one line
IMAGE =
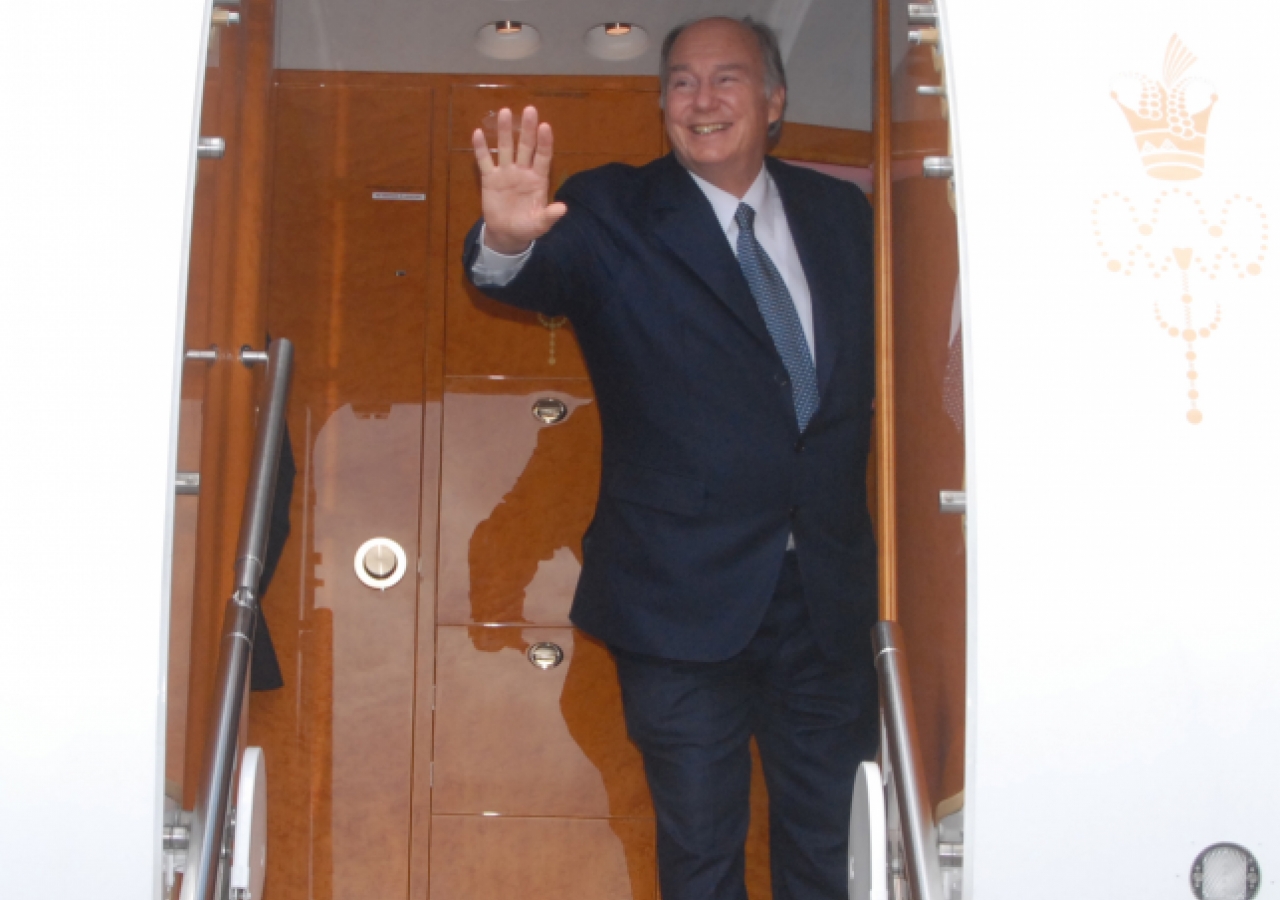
[(495, 269)]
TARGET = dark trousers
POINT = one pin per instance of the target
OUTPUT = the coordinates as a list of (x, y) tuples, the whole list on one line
[(814, 722)]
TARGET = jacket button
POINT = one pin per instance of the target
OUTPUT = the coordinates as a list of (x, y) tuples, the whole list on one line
[(800, 445)]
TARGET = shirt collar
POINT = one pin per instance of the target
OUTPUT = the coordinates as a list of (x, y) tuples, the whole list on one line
[(725, 204)]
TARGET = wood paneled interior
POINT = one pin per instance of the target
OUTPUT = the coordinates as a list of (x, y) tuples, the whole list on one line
[(818, 143), (517, 740), (930, 458), (349, 281), (410, 418), (226, 309), (542, 858), (885, 515), (929, 451), (517, 496)]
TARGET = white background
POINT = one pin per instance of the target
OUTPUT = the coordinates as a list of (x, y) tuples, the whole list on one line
[(1124, 626), (96, 153)]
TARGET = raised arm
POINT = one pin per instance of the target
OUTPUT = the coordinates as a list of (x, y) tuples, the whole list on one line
[(514, 190)]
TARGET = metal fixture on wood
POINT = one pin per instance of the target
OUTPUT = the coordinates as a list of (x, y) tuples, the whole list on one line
[(545, 655), (922, 14), (209, 356), (251, 357), (224, 17), (211, 148), (952, 502), (938, 167), (923, 36), (186, 483), (932, 90), (549, 410)]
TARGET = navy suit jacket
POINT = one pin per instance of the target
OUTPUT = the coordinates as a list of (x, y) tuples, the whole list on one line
[(705, 472)]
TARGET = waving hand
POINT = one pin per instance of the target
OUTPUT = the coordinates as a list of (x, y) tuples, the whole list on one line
[(514, 190)]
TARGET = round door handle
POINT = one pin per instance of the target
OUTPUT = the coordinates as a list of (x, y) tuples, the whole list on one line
[(545, 655), (549, 410), (380, 563)]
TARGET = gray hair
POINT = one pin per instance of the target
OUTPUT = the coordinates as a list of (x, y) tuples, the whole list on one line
[(775, 74)]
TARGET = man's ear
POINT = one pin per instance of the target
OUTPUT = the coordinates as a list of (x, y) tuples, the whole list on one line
[(777, 103)]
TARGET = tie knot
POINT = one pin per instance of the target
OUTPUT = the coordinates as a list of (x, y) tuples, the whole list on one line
[(745, 217)]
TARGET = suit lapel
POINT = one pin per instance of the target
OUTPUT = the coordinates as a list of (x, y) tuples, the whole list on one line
[(686, 223), (817, 248)]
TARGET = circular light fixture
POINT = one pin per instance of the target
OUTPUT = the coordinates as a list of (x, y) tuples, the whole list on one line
[(506, 39), (616, 41)]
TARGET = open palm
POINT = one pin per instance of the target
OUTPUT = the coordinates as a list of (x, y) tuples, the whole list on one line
[(514, 189)]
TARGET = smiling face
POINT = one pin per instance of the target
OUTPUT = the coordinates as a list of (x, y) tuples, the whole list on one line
[(717, 114)]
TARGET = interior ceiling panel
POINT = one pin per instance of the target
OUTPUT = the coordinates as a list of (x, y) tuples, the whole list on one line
[(826, 43)]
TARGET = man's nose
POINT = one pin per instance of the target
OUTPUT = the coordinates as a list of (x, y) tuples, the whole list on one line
[(705, 98)]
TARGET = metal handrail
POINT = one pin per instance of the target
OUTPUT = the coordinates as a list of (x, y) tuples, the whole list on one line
[(919, 832), (208, 823)]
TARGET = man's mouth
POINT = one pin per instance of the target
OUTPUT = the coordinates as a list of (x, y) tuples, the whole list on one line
[(710, 129)]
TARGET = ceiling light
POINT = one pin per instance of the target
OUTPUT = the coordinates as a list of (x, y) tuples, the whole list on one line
[(506, 39), (616, 41)]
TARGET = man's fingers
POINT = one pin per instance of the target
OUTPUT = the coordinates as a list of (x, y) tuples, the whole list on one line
[(542, 157), (481, 146), (504, 137), (528, 136)]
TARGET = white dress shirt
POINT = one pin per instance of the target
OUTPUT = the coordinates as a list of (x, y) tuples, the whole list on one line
[(772, 231)]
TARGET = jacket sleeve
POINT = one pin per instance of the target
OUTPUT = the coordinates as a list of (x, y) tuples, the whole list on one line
[(565, 271)]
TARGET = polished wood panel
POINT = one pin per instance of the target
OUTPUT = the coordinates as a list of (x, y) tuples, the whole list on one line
[(929, 417), (226, 308), (515, 739), (517, 496), (478, 858), (886, 501), (615, 123), (349, 283), (819, 143), (485, 337), (916, 140), (931, 575)]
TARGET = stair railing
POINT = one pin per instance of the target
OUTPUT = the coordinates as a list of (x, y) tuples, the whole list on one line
[(206, 858), (919, 832)]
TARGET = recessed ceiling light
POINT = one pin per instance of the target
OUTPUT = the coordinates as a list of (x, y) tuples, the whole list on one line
[(506, 39), (616, 41)]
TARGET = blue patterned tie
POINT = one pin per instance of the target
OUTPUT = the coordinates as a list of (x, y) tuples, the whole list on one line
[(780, 315)]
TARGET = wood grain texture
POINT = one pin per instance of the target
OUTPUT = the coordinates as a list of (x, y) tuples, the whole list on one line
[(885, 410), (819, 143), (517, 496), (542, 858), (514, 739), (226, 309), (348, 286), (929, 456)]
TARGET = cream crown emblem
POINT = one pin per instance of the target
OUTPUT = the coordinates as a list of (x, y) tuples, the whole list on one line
[(1169, 117)]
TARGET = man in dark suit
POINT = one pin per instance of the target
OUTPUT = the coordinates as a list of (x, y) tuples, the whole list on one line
[(722, 301)]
